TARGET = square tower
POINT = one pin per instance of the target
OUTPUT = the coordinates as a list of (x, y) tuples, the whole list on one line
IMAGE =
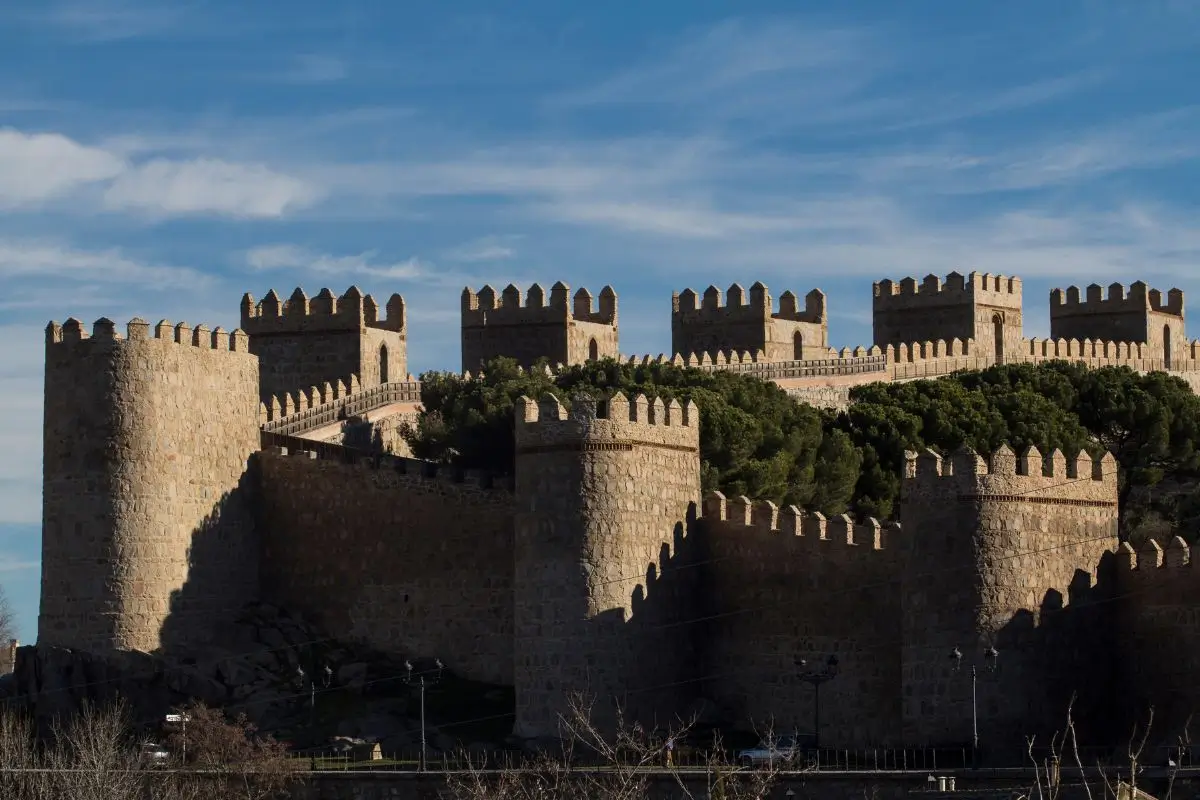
[(708, 325), (303, 343), (1137, 316), (560, 332), (982, 306)]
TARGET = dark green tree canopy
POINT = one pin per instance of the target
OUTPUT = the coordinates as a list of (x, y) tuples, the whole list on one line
[(757, 441)]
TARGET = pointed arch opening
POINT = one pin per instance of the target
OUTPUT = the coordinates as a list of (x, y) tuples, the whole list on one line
[(593, 350), (1166, 346), (998, 336), (798, 346), (383, 363)]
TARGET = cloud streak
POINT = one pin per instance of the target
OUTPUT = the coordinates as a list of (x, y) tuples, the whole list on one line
[(37, 168)]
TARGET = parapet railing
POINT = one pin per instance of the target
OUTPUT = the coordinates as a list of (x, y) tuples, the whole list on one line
[(810, 368), (344, 407)]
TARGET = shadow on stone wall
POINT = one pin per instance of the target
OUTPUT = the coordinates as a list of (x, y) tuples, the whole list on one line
[(668, 628), (1069, 650), (222, 575)]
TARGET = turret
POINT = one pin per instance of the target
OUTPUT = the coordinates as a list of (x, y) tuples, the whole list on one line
[(599, 489), (994, 542), (561, 331), (147, 532), (307, 342)]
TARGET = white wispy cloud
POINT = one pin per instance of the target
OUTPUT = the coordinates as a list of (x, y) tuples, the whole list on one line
[(736, 57), (207, 186), (313, 68), (110, 20), (485, 248), (294, 257), (39, 167), (48, 261)]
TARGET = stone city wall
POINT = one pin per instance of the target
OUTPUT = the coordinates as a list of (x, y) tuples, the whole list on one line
[(713, 325), (783, 584), (302, 342), (147, 531), (998, 546), (503, 326), (979, 306), (396, 553), (602, 493), (1158, 592)]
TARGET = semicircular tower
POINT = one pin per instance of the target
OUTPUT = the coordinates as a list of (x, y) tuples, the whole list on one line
[(147, 532), (601, 490)]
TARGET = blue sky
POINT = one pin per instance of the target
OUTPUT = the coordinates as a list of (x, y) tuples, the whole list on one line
[(159, 159)]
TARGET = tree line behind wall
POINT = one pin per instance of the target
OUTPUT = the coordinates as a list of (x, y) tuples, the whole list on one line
[(757, 441)]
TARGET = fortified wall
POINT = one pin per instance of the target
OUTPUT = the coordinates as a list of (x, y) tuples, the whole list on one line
[(1159, 627), (302, 343), (600, 489), (982, 307), (994, 544), (537, 329), (147, 527), (709, 326), (400, 554), (1137, 316), (179, 486)]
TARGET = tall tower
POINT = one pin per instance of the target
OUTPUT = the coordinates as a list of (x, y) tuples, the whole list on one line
[(559, 332), (997, 545), (1137, 316), (599, 491), (708, 325), (147, 532), (303, 343), (982, 307)]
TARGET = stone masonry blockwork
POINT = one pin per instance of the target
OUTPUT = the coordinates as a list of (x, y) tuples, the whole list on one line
[(147, 534), (413, 565), (599, 491), (593, 569)]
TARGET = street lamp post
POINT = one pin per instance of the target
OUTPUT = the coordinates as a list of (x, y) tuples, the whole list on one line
[(990, 658), (438, 666), (183, 720), (816, 678)]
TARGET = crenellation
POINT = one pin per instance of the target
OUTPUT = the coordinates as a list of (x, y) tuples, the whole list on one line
[(534, 330), (581, 569)]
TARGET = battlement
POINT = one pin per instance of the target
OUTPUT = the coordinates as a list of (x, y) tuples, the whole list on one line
[(1138, 298), (691, 305), (485, 308), (738, 514), (584, 412), (302, 411), (1029, 477), (353, 311), (998, 289), (1152, 557), (332, 456), (138, 329)]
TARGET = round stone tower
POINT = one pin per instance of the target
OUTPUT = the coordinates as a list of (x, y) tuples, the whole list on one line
[(147, 531), (998, 548), (599, 492)]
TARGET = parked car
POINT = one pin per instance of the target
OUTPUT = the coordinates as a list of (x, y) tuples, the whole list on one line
[(153, 754), (784, 751)]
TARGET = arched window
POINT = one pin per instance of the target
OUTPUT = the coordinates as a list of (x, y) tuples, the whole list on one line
[(998, 334), (1166, 346), (798, 346), (383, 363), (593, 351)]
